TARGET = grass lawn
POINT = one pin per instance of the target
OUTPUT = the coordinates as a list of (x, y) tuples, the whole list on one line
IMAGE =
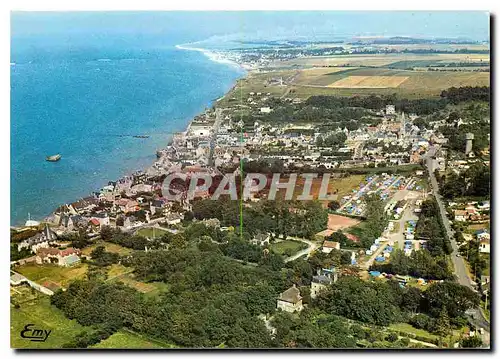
[(151, 232), (407, 328), (51, 272), (124, 339), (345, 185), (44, 316), (110, 247), (116, 270), (288, 248)]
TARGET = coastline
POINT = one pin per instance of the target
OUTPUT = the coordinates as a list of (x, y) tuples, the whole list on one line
[(212, 56)]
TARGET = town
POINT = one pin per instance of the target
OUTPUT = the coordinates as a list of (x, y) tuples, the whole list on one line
[(401, 224)]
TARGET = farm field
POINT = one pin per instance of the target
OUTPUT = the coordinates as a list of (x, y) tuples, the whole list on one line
[(379, 60), (45, 316), (61, 276), (124, 339), (307, 76), (123, 274), (408, 82), (369, 82)]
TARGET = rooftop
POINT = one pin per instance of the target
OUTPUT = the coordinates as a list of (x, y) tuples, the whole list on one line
[(291, 295)]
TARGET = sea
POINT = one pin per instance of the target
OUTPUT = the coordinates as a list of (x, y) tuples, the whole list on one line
[(85, 101)]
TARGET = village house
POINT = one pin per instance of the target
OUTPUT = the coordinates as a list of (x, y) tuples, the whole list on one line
[(127, 205), (329, 246), (39, 240), (482, 234), (82, 205), (460, 215), (61, 257), (261, 239), (102, 218), (290, 300), (484, 246), (94, 225), (324, 278), (173, 218)]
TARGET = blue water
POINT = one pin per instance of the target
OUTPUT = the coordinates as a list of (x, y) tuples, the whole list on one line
[(78, 102)]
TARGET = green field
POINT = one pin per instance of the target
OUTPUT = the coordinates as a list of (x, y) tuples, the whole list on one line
[(110, 247), (124, 339), (151, 232), (51, 272), (419, 83), (44, 316), (411, 63), (287, 248)]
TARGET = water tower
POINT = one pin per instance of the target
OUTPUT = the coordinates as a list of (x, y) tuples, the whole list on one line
[(468, 144)]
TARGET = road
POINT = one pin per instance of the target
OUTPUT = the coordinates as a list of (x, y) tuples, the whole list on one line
[(476, 316), (408, 215), (312, 247), (375, 254)]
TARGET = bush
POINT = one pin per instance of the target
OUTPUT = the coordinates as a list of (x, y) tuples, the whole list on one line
[(405, 341), (391, 337), (421, 321), (358, 331)]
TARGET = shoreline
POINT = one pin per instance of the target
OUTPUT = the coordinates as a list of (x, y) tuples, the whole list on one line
[(211, 56)]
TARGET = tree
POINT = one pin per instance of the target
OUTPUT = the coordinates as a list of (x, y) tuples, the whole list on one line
[(453, 117), (442, 324), (334, 205), (372, 302), (411, 299), (391, 337), (471, 342), (102, 258), (452, 297)]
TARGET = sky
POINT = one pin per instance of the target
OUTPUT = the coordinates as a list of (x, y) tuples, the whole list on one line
[(311, 25)]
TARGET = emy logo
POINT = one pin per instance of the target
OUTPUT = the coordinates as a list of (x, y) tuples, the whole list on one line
[(33, 334)]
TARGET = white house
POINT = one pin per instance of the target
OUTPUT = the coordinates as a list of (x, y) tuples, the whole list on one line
[(484, 246), (329, 246), (265, 110), (460, 216)]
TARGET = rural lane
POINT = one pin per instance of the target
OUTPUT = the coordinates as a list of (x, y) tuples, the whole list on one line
[(312, 247), (476, 316)]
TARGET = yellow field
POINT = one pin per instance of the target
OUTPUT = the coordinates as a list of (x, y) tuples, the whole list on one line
[(369, 82), (378, 60), (308, 76)]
